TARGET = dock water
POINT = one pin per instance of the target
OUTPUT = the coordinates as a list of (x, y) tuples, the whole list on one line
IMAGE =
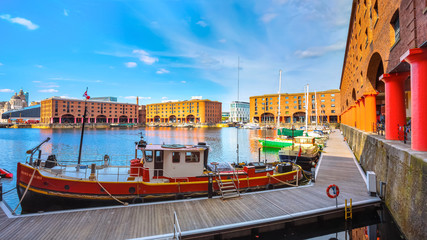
[(202, 217)]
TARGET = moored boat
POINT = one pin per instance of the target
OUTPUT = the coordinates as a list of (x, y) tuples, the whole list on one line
[(156, 172)]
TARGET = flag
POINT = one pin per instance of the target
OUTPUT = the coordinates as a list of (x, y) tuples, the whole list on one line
[(85, 95), (299, 153)]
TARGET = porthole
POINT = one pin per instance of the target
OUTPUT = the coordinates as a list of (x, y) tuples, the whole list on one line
[(132, 190)]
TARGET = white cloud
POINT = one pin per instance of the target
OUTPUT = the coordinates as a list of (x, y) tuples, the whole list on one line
[(48, 90), (183, 81), (6, 90), (1, 64), (164, 98), (202, 23), (131, 64), (320, 51), (38, 66), (144, 56), (222, 40), (36, 81), (65, 12), (266, 18), (162, 71), (22, 21)]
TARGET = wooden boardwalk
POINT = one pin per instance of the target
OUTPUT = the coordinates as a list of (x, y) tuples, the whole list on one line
[(337, 166)]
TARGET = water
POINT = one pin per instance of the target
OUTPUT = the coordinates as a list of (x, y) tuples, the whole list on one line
[(120, 145)]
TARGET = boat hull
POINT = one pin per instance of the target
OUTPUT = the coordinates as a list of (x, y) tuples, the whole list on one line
[(47, 193), (275, 143)]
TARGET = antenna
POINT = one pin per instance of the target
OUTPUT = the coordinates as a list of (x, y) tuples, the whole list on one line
[(238, 97)]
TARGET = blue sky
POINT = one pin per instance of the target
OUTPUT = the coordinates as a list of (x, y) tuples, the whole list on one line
[(170, 50)]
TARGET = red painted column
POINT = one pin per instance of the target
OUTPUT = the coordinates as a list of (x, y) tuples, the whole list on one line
[(395, 112), (370, 111), (75, 120), (60, 120), (417, 57)]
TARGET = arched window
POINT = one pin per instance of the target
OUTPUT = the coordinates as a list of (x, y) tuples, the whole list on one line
[(395, 28)]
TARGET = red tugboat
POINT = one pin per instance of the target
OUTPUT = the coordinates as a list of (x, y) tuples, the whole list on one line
[(161, 172)]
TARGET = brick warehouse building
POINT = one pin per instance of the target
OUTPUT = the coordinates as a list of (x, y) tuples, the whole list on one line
[(61, 110), (264, 108), (192, 111), (385, 68)]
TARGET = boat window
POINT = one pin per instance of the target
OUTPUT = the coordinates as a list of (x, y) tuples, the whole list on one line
[(159, 156), (148, 156), (192, 156), (175, 157)]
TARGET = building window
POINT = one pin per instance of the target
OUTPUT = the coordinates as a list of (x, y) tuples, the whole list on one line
[(322, 100), (332, 111), (323, 95), (395, 28), (333, 105), (332, 100), (332, 95)]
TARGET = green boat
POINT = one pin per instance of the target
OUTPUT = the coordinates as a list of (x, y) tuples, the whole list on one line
[(275, 143)]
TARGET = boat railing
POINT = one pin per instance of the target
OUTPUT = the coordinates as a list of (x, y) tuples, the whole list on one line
[(236, 177), (177, 234)]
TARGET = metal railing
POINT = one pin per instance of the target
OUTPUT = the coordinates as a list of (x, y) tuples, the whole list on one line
[(177, 234)]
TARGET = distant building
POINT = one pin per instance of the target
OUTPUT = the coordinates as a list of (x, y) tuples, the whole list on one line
[(239, 111), (17, 101), (264, 108), (23, 114), (142, 113), (104, 99), (192, 111), (225, 116), (62, 110)]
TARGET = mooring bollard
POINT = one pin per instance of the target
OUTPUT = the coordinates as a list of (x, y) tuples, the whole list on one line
[(210, 186)]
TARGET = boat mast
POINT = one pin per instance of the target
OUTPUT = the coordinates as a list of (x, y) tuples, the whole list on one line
[(315, 104), (238, 98), (81, 138), (280, 87), (306, 108)]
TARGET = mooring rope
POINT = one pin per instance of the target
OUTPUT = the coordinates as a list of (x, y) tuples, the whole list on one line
[(9, 191), (26, 190), (118, 200)]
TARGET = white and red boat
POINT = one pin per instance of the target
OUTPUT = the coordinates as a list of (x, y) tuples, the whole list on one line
[(156, 172), (161, 172)]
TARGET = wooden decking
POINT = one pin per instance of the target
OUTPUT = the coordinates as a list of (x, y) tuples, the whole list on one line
[(337, 166)]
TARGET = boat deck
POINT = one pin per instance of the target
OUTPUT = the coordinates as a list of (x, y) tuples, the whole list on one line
[(155, 220)]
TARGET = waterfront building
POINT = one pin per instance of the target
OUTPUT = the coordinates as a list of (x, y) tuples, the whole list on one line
[(239, 111), (104, 99), (188, 111), (225, 116), (17, 101), (385, 68), (264, 108), (142, 114), (62, 110), (22, 115)]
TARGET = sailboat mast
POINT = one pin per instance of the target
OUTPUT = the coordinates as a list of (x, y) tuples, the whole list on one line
[(306, 109), (280, 87), (238, 98), (315, 104), (81, 138)]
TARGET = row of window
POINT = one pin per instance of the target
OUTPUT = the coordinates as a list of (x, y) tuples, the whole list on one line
[(157, 156)]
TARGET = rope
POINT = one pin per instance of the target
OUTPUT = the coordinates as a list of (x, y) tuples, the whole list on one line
[(9, 191), (124, 203), (26, 190)]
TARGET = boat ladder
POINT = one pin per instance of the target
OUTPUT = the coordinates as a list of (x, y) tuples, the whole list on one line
[(228, 189)]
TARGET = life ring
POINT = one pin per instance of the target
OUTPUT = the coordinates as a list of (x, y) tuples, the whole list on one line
[(336, 191)]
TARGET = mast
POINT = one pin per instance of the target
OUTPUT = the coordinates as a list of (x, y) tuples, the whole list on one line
[(315, 104), (81, 138), (238, 98), (306, 108), (280, 87)]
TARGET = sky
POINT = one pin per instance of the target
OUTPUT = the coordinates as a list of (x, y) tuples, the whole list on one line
[(170, 49)]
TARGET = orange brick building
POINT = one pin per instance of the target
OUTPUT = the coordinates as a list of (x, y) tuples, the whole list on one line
[(265, 108), (61, 110), (192, 111), (384, 70)]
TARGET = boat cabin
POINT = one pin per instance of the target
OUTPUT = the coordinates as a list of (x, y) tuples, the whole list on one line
[(175, 161)]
